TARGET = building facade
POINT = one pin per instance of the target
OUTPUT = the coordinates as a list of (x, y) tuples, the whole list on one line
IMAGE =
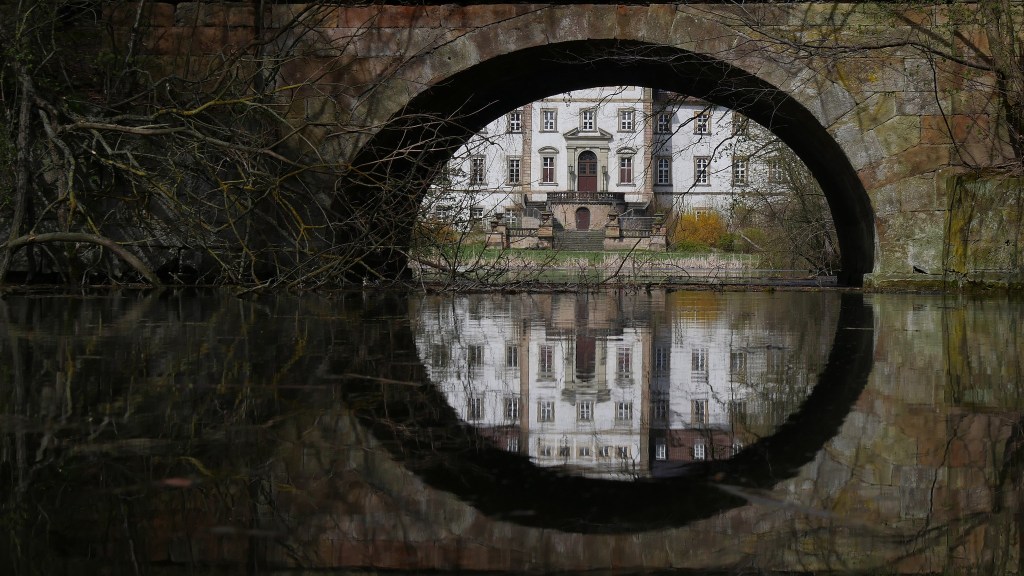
[(604, 155)]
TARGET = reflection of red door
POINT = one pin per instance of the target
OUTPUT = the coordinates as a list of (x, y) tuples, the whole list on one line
[(586, 179), (583, 219)]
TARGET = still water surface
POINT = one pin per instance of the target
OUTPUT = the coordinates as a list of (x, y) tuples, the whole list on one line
[(607, 432)]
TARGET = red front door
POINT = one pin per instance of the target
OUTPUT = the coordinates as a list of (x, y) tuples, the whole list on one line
[(586, 177)]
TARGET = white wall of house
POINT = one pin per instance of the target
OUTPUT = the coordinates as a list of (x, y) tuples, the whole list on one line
[(679, 152)]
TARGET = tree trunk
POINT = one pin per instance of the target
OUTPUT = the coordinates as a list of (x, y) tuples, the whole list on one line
[(21, 178)]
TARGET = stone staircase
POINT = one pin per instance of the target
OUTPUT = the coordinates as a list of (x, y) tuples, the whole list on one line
[(579, 241)]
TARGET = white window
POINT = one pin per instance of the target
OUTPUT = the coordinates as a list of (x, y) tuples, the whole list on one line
[(627, 120), (545, 450), (624, 362), (740, 124), (660, 449), (475, 410), (701, 164), (476, 212), (563, 451), (699, 412), (605, 452), (511, 356), (698, 452), (546, 411), (511, 407), (587, 122), (514, 170), (476, 170), (624, 411), (545, 355), (663, 170), (740, 171), (622, 452), (515, 121), (512, 444), (625, 169), (583, 452), (548, 120), (585, 411), (664, 123), (702, 122), (547, 169)]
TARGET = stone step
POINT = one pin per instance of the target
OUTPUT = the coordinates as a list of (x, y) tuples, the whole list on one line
[(579, 241)]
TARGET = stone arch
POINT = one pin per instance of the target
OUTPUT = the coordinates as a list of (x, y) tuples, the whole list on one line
[(462, 103)]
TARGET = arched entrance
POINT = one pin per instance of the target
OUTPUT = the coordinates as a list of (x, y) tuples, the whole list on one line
[(586, 176), (582, 219), (488, 89)]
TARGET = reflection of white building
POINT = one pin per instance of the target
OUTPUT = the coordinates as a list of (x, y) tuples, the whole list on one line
[(574, 381), (583, 154)]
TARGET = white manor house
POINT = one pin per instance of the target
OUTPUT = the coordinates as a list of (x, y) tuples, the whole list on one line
[(597, 168)]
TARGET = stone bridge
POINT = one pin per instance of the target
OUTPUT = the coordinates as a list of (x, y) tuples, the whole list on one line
[(895, 111)]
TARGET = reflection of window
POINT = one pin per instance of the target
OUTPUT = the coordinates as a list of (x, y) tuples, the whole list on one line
[(512, 356), (660, 449), (475, 355), (545, 356), (626, 120), (737, 411), (625, 169), (583, 452), (476, 170), (737, 362), (699, 360), (663, 170), (546, 411), (698, 452), (624, 411), (547, 169), (545, 450), (512, 444), (662, 357), (438, 356), (585, 411), (515, 121), (699, 412), (563, 451), (701, 164), (702, 122), (776, 172), (476, 408), (548, 121), (511, 407), (514, 165), (587, 119), (605, 452), (740, 171), (622, 452), (624, 363), (659, 408)]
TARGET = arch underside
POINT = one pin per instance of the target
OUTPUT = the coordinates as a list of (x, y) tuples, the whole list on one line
[(465, 102)]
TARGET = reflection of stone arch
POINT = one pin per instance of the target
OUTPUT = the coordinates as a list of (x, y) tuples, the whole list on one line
[(415, 422)]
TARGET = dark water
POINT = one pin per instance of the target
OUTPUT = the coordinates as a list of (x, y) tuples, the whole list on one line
[(609, 432)]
